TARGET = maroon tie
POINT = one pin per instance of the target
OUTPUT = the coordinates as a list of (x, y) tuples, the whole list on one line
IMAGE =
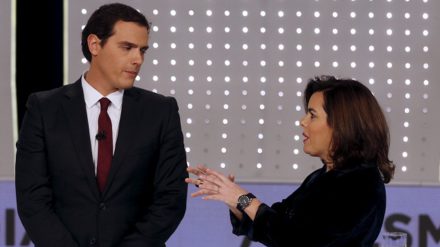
[(105, 144)]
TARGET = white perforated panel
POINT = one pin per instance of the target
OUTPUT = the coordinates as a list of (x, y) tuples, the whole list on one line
[(238, 69)]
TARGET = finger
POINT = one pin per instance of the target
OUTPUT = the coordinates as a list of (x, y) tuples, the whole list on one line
[(231, 177), (202, 168), (199, 182), (209, 186), (202, 192), (217, 174), (196, 182), (213, 197), (211, 179), (192, 181), (195, 171), (191, 170), (197, 193)]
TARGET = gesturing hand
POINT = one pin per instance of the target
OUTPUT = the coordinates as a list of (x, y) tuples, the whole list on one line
[(215, 186)]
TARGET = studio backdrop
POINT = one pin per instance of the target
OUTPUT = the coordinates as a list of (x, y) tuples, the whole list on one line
[(238, 69)]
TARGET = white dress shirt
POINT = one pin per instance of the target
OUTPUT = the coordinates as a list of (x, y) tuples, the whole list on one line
[(92, 97)]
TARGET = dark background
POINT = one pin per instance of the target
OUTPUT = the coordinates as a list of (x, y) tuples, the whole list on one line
[(39, 53)]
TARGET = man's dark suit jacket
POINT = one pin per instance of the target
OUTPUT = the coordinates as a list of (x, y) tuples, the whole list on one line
[(58, 198)]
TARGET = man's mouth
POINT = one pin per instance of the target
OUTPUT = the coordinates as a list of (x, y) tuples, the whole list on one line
[(132, 73)]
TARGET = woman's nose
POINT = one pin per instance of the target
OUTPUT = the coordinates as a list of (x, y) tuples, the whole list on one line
[(303, 122)]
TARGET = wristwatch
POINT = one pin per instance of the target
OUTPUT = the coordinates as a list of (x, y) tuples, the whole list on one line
[(244, 201)]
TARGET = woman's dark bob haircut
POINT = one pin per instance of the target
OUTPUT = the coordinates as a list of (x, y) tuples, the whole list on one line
[(360, 130)]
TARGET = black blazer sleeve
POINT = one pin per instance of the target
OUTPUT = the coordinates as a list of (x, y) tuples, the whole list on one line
[(32, 179), (341, 209), (170, 189)]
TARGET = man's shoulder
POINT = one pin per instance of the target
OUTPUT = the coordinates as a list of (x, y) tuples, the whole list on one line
[(148, 95), (55, 94)]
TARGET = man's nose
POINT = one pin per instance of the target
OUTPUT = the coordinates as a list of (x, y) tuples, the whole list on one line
[(138, 57)]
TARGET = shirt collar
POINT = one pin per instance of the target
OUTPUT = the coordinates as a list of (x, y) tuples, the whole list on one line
[(92, 96)]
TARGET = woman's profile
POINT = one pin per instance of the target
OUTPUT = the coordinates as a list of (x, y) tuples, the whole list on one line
[(340, 204)]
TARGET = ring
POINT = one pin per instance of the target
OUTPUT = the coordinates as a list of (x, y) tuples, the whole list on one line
[(199, 182)]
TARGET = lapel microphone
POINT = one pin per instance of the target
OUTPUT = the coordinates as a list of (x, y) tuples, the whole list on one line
[(101, 135)]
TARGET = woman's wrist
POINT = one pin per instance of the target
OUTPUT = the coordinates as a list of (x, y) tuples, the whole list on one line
[(252, 209), (238, 214)]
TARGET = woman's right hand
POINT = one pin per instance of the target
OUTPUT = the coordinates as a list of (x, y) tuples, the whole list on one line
[(215, 186)]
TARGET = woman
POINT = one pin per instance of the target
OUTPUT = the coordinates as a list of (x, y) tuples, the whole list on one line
[(341, 204)]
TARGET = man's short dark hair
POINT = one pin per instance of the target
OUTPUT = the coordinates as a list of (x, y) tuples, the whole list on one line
[(103, 20)]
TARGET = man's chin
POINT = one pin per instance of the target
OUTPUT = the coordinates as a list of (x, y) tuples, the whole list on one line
[(126, 86)]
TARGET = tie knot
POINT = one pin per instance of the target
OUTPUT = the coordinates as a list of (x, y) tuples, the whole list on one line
[(104, 103)]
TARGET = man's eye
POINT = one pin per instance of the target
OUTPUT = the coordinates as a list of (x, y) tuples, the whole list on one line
[(144, 50)]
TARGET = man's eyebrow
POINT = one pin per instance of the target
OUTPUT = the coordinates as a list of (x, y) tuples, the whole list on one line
[(128, 43), (133, 45)]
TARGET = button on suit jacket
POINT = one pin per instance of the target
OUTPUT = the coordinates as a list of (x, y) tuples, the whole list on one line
[(58, 198)]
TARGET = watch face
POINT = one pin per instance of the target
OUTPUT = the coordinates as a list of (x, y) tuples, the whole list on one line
[(244, 200)]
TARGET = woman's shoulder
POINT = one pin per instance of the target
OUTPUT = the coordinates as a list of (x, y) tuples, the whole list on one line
[(358, 171), (363, 179)]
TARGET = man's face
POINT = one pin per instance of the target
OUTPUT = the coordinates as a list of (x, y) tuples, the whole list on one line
[(117, 63)]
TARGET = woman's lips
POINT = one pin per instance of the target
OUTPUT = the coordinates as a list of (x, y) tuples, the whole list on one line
[(305, 137)]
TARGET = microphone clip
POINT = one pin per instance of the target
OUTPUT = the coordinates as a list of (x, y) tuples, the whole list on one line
[(101, 135)]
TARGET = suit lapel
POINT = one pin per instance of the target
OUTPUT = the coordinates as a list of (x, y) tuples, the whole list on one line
[(75, 109), (128, 125)]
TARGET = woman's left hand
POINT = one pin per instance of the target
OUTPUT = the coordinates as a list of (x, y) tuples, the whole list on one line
[(215, 186)]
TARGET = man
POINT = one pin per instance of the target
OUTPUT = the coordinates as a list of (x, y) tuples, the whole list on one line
[(100, 162)]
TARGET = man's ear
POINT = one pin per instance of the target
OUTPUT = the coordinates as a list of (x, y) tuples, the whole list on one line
[(94, 44)]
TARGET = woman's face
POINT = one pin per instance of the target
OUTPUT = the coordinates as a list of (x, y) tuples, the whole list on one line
[(317, 134)]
